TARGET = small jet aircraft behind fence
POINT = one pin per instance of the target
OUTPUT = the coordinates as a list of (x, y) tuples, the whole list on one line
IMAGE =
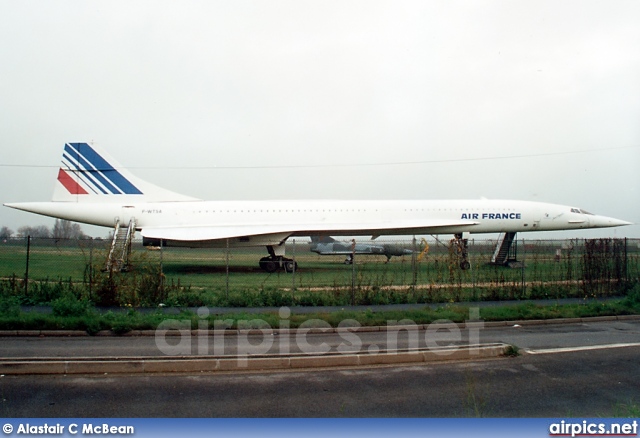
[(93, 188), (325, 245)]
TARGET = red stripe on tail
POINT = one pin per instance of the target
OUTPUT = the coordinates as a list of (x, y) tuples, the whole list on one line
[(70, 184)]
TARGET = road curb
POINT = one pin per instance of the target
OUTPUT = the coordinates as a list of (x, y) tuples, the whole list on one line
[(327, 330), (191, 364)]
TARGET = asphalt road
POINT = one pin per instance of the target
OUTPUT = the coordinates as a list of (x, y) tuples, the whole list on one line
[(585, 383), (573, 382), (541, 336)]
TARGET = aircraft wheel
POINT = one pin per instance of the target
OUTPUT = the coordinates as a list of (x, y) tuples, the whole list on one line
[(465, 265), (268, 264), (290, 266)]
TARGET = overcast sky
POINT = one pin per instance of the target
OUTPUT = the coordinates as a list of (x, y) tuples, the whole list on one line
[(532, 100)]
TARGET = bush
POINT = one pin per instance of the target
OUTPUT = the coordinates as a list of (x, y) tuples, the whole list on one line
[(151, 290), (107, 291), (12, 286), (9, 306), (186, 298), (69, 305), (632, 299)]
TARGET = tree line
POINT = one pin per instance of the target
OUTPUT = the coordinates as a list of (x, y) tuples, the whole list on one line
[(62, 229)]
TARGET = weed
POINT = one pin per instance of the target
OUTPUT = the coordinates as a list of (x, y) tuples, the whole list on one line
[(151, 290), (512, 351), (9, 306), (627, 410), (70, 305), (475, 401)]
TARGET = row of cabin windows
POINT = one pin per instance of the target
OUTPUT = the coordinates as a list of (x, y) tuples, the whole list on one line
[(278, 211), (347, 211)]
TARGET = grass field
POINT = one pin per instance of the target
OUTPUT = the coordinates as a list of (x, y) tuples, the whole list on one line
[(183, 276), (68, 277)]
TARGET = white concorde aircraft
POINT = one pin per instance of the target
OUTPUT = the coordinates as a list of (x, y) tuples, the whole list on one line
[(93, 188)]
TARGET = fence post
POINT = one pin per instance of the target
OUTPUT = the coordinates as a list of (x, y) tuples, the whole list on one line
[(626, 263), (524, 256), (414, 264), (353, 272), (91, 269), (293, 273), (227, 269), (162, 264), (472, 267), (26, 274)]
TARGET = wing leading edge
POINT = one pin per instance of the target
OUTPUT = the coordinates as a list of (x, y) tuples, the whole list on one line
[(209, 233)]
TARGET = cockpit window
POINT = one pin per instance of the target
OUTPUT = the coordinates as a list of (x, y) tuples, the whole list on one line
[(580, 211)]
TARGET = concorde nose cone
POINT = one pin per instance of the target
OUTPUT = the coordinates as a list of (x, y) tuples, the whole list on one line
[(603, 221)]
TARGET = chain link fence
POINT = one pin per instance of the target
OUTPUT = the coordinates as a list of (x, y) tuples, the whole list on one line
[(429, 271)]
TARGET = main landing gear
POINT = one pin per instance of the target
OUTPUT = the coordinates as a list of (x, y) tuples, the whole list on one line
[(461, 248), (274, 262)]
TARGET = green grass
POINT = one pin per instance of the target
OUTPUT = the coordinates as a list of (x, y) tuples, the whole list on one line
[(196, 277), (73, 313), (202, 268), (67, 276), (627, 410)]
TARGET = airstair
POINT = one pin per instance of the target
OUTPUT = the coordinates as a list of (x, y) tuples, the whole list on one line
[(118, 259), (506, 251)]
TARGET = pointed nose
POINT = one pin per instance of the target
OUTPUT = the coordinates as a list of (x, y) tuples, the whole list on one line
[(603, 221)]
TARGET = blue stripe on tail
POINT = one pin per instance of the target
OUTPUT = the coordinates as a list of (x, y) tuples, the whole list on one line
[(90, 175), (99, 170)]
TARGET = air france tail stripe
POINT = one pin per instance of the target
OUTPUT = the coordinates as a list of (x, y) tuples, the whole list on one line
[(80, 165), (112, 174), (91, 172), (79, 177), (83, 176), (94, 166), (70, 184)]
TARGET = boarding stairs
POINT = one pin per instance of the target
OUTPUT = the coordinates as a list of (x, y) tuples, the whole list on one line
[(506, 252), (118, 259)]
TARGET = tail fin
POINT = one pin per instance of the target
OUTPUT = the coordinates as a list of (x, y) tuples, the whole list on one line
[(88, 174), (322, 239)]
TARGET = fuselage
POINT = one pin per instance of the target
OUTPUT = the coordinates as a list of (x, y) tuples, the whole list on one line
[(341, 217)]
